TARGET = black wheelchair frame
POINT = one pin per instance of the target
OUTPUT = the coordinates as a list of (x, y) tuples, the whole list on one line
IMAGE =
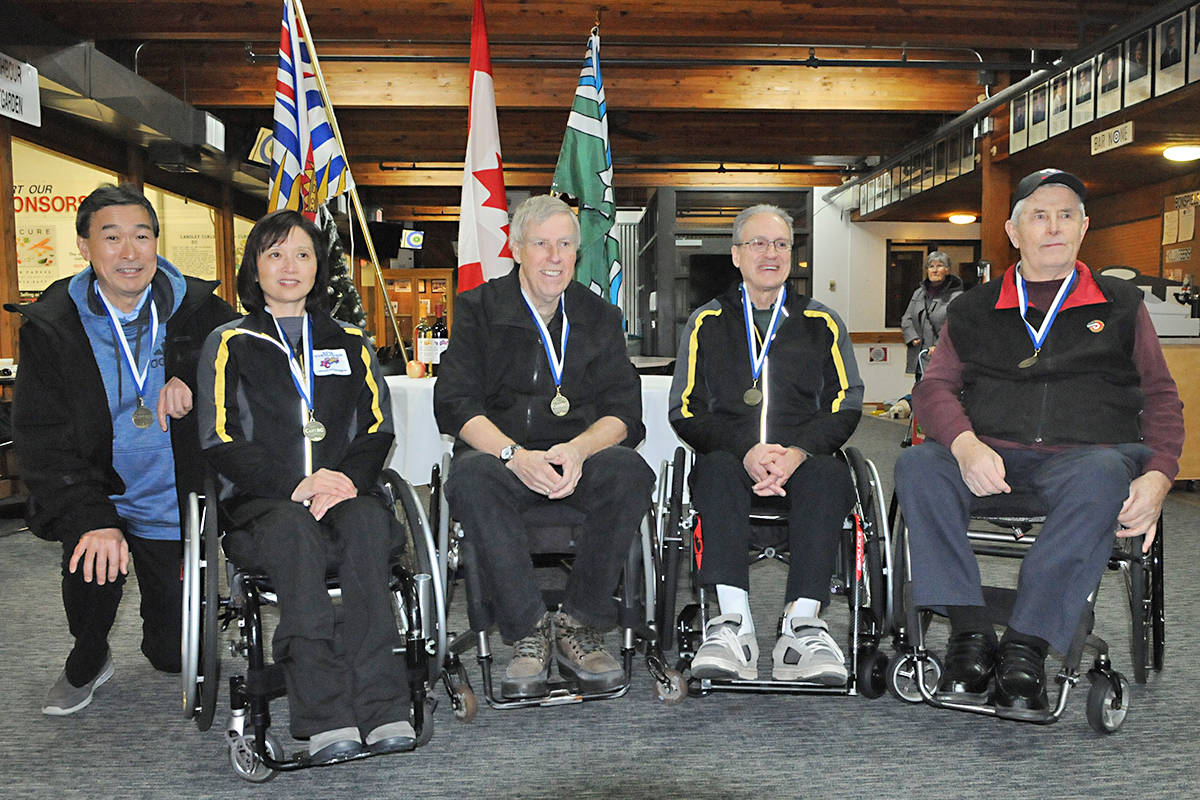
[(914, 672), (862, 574), (255, 752), (636, 598)]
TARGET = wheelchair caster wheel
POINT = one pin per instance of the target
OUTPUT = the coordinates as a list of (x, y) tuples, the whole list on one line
[(426, 732), (466, 706), (902, 676), (246, 763), (1103, 714), (872, 673), (674, 691)]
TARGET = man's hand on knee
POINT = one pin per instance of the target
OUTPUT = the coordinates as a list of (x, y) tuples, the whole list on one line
[(981, 467), (103, 552), (569, 458), (1139, 514)]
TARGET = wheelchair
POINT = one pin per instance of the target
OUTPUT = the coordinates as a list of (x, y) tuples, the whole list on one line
[(1004, 526), (255, 752), (551, 535), (862, 574)]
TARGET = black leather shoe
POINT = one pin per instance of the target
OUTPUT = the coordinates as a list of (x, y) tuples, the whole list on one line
[(1021, 682), (970, 658)]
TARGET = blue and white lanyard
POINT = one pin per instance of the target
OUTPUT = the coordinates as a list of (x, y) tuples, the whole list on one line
[(139, 376), (1038, 337), (757, 358), (556, 361), (302, 374)]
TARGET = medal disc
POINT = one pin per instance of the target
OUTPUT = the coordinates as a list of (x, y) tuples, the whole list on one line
[(1028, 362), (143, 417), (314, 431), (753, 396), (560, 405)]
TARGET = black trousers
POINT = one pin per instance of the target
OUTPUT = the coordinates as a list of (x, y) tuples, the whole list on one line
[(820, 494), (488, 499), (339, 662), (92, 608)]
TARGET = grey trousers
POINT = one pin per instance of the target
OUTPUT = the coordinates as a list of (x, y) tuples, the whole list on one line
[(1083, 489)]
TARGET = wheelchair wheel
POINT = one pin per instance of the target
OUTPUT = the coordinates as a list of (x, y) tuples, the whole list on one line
[(246, 763), (201, 601), (1157, 606), (1104, 714), (871, 679), (674, 691), (1141, 627), (901, 676), (866, 482), (668, 552)]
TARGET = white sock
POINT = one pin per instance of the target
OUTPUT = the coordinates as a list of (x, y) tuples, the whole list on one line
[(801, 607), (733, 600)]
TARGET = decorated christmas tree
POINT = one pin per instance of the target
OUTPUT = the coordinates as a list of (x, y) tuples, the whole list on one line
[(344, 302)]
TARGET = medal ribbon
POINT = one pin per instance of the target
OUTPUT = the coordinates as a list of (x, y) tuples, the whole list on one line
[(1039, 336), (757, 359), (556, 361), (302, 374), (139, 378)]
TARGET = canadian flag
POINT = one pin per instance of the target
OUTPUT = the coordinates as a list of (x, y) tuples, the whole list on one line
[(483, 251)]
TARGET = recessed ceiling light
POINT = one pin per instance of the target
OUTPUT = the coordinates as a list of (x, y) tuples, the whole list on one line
[(1182, 152), (962, 219)]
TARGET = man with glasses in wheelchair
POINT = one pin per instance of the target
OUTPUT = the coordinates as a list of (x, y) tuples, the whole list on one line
[(546, 408), (1051, 379), (766, 389)]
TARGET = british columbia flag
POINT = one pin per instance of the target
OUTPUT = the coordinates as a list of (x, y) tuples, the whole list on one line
[(307, 166)]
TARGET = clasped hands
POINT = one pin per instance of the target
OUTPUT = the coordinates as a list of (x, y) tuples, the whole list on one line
[(771, 466), (536, 469)]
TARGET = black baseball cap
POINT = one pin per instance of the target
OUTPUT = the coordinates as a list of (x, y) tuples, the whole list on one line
[(1035, 180)]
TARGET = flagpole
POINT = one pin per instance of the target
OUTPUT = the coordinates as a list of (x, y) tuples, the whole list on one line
[(337, 134)]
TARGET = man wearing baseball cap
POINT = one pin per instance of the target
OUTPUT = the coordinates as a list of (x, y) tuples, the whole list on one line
[(1049, 379)]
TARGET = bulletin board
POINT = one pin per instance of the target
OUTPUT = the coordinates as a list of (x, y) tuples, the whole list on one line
[(1180, 250)]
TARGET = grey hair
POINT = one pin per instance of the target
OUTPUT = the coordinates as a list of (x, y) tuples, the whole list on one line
[(534, 211), (741, 219), (937, 255), (1020, 206)]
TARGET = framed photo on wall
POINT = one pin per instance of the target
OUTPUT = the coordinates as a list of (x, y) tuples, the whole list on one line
[(1060, 103), (1193, 65), (1018, 132), (1038, 118), (1138, 55), (1108, 81), (1169, 66), (1083, 99)]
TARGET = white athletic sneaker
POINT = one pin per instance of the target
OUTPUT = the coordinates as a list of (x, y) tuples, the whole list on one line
[(724, 654), (808, 653)]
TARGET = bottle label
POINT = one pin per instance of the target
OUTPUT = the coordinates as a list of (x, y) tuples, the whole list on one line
[(438, 346), (427, 351)]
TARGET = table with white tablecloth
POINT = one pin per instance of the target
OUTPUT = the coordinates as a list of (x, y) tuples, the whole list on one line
[(419, 444)]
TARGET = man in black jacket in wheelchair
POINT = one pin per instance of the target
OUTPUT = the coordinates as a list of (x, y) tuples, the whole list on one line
[(766, 389), (1050, 379), (546, 407)]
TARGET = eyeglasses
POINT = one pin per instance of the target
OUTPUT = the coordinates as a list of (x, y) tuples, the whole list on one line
[(760, 245)]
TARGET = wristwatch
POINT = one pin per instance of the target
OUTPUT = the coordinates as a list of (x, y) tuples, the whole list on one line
[(506, 455)]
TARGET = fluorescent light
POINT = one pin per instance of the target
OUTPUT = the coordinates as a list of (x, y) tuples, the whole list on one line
[(962, 219), (1182, 152)]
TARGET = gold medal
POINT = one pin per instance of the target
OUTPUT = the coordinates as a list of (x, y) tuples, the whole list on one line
[(753, 396), (560, 405), (142, 416), (1028, 362), (314, 431)]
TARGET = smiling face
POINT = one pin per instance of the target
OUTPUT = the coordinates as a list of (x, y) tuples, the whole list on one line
[(546, 254), (763, 272), (123, 251), (287, 271), (1048, 232)]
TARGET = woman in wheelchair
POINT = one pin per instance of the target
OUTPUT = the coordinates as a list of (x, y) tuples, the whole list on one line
[(295, 418)]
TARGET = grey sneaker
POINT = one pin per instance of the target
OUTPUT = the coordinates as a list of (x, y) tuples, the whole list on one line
[(525, 675), (581, 655), (334, 745), (808, 653), (64, 699), (724, 654), (392, 737)]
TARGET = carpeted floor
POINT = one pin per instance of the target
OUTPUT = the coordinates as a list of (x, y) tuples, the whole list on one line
[(132, 742)]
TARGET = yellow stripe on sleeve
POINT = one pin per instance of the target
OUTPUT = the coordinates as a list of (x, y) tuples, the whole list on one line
[(376, 411), (693, 346), (835, 351), (219, 385)]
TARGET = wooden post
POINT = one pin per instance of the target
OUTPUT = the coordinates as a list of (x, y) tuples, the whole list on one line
[(9, 292), (997, 191), (226, 266)]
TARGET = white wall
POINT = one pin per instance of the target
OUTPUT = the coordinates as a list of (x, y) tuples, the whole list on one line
[(849, 275)]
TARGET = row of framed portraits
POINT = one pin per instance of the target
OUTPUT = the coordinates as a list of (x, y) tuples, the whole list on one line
[(1148, 64), (948, 158)]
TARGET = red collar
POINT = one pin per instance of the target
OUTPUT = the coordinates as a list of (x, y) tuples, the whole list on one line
[(1085, 293)]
